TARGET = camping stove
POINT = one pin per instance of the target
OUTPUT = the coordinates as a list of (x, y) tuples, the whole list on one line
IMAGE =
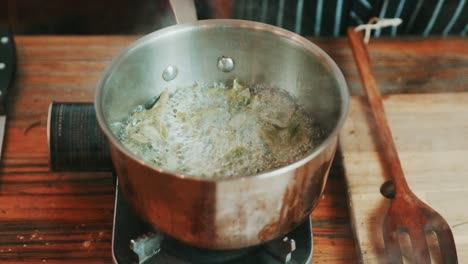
[(133, 241), (76, 143)]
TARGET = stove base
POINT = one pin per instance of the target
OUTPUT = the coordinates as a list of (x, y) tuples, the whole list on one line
[(161, 249)]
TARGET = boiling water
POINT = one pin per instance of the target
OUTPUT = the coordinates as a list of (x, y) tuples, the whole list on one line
[(218, 131)]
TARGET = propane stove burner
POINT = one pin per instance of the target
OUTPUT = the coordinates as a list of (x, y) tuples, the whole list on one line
[(133, 241)]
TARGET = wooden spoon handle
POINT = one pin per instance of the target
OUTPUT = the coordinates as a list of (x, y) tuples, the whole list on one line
[(388, 148)]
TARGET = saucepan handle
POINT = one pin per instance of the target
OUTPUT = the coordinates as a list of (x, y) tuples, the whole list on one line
[(184, 11)]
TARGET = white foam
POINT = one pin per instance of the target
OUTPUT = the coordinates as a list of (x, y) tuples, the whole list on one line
[(219, 131)]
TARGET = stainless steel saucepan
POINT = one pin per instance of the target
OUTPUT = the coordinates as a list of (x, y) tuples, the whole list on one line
[(236, 212)]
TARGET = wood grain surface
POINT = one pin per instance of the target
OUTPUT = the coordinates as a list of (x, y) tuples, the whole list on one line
[(430, 134), (50, 217), (407, 215), (429, 131)]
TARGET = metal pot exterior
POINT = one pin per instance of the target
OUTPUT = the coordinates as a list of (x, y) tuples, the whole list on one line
[(224, 214), (245, 210)]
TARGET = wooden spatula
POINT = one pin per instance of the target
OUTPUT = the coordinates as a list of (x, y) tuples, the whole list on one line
[(407, 214)]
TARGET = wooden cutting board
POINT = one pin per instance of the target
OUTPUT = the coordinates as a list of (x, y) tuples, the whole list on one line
[(431, 135)]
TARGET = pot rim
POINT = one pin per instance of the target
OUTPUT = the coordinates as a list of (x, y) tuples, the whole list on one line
[(228, 23)]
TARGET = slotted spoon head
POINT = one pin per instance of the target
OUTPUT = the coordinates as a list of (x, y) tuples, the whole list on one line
[(408, 214)]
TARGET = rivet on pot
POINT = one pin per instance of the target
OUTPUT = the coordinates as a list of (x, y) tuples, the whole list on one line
[(225, 64), (170, 73)]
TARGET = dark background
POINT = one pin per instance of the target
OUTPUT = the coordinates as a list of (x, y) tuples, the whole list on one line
[(144, 16), (88, 16)]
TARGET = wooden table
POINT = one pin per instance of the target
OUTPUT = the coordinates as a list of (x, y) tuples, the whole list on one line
[(48, 217)]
